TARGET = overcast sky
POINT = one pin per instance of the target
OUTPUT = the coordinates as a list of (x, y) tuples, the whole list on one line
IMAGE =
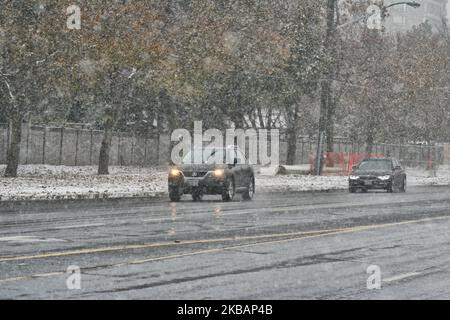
[(448, 9)]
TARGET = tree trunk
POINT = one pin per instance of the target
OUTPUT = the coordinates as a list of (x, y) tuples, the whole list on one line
[(330, 124), (103, 164), (13, 152), (291, 146), (292, 132), (369, 141), (238, 119), (159, 120)]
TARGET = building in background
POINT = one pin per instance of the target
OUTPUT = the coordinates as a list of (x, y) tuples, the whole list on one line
[(402, 18)]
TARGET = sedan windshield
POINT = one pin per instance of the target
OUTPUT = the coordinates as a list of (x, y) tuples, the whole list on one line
[(375, 165)]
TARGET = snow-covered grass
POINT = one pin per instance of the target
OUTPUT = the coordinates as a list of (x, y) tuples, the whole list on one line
[(415, 177), (43, 182), (300, 183), (418, 177)]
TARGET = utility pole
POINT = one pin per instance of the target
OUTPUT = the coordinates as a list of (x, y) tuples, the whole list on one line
[(325, 87)]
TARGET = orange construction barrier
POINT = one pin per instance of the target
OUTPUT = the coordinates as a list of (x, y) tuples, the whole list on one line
[(341, 163)]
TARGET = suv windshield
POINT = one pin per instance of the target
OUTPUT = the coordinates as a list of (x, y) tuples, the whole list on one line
[(375, 165), (210, 156)]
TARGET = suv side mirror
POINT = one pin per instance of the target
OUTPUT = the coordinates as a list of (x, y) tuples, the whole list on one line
[(232, 165)]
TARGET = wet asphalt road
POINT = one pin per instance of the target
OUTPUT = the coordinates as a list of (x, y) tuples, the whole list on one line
[(279, 246)]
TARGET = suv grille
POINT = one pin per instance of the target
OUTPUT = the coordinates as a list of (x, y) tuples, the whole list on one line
[(191, 174)]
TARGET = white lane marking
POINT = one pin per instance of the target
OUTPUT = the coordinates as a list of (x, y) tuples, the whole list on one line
[(28, 239), (401, 277), (79, 226)]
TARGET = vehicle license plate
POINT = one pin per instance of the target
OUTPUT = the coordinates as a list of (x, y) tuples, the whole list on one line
[(193, 183)]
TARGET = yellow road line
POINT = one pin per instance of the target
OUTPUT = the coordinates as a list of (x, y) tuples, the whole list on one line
[(303, 234), (300, 236), (152, 245), (323, 234), (15, 279), (33, 276), (47, 275)]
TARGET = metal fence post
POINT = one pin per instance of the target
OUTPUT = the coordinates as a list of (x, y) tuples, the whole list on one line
[(27, 142), (91, 147), (303, 151), (319, 155), (145, 151), (76, 146), (8, 136), (158, 156), (119, 161), (61, 144), (43, 144), (132, 149)]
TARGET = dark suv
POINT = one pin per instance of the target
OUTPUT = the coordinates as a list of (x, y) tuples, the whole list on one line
[(224, 172), (382, 173)]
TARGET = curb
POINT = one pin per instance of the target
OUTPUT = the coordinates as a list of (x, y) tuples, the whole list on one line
[(104, 197), (76, 197)]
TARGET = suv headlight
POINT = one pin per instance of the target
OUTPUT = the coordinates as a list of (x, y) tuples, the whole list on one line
[(384, 178), (175, 173), (219, 173), (354, 177)]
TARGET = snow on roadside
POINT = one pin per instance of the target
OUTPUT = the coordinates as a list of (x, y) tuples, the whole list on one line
[(300, 183), (415, 177), (43, 182), (418, 177)]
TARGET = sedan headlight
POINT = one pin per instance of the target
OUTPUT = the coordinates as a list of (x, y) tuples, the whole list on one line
[(354, 177), (384, 178)]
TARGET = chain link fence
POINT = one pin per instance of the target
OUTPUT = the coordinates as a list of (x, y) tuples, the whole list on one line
[(428, 157)]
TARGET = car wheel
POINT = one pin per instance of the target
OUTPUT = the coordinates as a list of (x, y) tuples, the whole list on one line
[(250, 192), (390, 188), (403, 188), (352, 190), (197, 196), (229, 191), (174, 195)]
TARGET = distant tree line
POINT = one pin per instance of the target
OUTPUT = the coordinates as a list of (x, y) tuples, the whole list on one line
[(153, 66)]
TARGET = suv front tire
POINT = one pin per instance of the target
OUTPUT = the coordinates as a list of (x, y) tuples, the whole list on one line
[(174, 195), (229, 191), (250, 191)]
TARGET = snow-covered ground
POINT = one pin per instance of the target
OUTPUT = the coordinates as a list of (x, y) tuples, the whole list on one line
[(415, 177), (42, 182)]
